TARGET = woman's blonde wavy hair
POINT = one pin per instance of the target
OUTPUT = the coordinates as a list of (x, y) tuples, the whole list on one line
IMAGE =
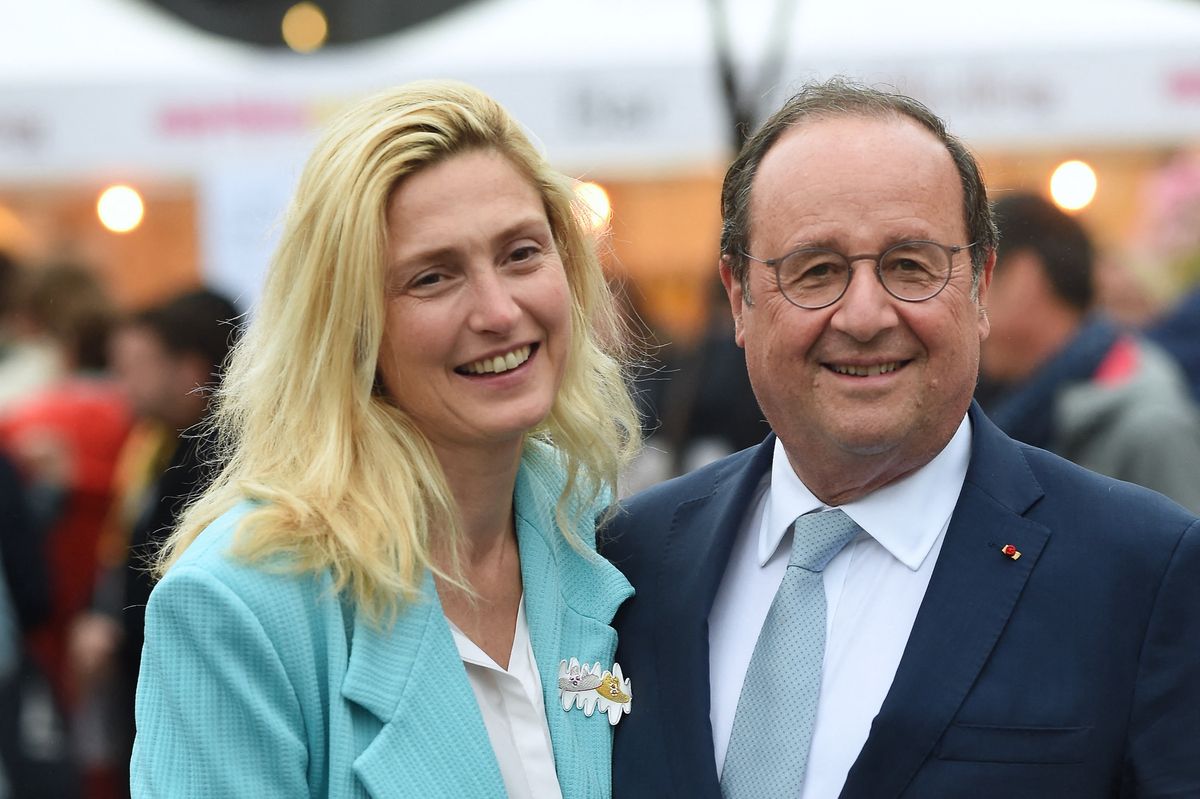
[(343, 479)]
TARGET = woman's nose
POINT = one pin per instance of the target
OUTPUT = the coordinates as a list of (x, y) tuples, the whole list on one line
[(493, 306)]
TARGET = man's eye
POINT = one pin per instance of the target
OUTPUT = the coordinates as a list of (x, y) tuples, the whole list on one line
[(814, 270), (819, 270)]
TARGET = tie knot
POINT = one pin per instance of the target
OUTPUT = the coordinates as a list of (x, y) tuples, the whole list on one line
[(817, 537)]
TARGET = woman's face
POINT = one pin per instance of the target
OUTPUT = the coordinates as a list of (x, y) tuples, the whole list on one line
[(478, 319)]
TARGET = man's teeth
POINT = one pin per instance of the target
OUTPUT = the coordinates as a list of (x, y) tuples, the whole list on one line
[(501, 363), (866, 371)]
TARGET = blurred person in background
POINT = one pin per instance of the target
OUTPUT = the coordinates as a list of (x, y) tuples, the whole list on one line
[(24, 560), (66, 438), (391, 585), (696, 401), (1178, 332), (9, 657), (1067, 378), (29, 359), (35, 756), (167, 361), (12, 518), (1171, 237)]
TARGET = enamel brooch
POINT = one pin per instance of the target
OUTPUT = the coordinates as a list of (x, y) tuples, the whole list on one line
[(589, 688)]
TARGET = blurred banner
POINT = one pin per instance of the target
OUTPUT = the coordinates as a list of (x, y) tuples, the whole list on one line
[(612, 85)]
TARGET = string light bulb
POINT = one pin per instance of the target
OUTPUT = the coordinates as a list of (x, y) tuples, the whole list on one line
[(595, 198), (305, 27), (120, 208), (1073, 185)]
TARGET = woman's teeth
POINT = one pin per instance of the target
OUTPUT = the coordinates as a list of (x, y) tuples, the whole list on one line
[(501, 363)]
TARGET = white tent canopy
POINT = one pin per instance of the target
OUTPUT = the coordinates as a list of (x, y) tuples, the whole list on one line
[(113, 85), (113, 89)]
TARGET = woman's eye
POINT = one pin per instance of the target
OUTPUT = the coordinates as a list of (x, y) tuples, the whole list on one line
[(427, 280), (525, 254)]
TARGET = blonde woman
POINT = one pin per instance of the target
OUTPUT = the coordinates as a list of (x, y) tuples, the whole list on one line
[(378, 593)]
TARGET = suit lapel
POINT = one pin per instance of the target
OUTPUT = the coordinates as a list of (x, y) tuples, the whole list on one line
[(971, 595), (432, 742), (696, 551), (410, 677), (571, 596)]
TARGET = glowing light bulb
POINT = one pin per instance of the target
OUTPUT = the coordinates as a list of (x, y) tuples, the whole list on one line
[(11, 229), (598, 205), (1073, 185), (304, 27), (120, 208)]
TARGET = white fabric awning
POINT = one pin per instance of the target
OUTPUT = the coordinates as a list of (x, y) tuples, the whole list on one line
[(607, 85)]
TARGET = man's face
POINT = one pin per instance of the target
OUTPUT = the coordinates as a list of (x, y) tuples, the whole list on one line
[(144, 370), (158, 384), (871, 387), (1025, 318)]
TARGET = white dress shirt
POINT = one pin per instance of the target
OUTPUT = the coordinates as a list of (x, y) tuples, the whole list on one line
[(514, 713), (873, 589)]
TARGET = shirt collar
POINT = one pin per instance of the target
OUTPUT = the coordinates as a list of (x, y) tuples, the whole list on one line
[(471, 653), (905, 517)]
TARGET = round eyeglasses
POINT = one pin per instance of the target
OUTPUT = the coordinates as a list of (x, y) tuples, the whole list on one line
[(816, 277)]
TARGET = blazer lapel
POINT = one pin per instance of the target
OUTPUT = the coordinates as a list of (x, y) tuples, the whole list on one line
[(432, 742), (971, 595), (696, 551), (571, 596)]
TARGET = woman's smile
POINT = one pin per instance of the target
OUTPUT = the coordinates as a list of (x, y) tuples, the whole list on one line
[(499, 364)]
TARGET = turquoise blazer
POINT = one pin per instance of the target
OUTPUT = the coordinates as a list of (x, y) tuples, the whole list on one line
[(266, 684)]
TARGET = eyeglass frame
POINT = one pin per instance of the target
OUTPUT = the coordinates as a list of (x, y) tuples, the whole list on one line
[(950, 251)]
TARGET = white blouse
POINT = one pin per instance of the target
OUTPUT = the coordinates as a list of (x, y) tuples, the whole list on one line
[(514, 713)]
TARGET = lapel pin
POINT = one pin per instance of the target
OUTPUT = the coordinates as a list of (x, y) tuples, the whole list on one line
[(588, 688), (1011, 551)]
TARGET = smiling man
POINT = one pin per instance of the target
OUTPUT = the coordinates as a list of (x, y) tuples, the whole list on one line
[(888, 597)]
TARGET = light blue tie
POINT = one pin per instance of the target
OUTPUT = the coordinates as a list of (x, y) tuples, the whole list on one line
[(773, 724)]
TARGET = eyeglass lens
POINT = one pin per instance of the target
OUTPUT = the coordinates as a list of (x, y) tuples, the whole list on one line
[(914, 271)]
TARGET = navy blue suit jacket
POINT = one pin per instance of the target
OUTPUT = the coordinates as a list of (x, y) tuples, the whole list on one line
[(1073, 671)]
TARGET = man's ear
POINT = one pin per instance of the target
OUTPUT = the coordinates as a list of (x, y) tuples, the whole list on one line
[(981, 295), (737, 299)]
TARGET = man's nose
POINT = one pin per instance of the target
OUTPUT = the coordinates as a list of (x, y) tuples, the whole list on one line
[(866, 308)]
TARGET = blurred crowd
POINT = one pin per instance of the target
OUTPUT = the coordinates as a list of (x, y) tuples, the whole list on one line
[(101, 443)]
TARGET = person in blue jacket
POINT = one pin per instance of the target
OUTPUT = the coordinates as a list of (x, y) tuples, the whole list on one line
[(391, 587)]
